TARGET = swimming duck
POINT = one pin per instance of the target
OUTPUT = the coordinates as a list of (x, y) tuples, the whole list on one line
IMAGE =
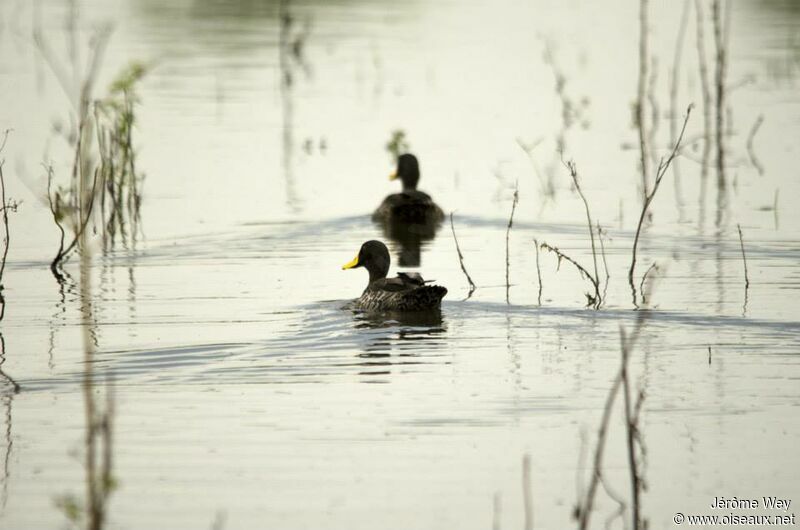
[(406, 292), (410, 205)]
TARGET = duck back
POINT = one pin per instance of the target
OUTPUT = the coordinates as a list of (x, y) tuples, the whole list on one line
[(410, 206)]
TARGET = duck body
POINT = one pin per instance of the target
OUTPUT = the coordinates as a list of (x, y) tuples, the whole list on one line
[(411, 205), (405, 292)]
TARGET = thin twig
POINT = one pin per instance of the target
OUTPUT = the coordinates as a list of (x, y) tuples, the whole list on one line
[(775, 207), (662, 170), (584, 273), (746, 276), (637, 410), (461, 258), (54, 263), (538, 270), (6, 240), (573, 172), (652, 267), (63, 252), (508, 232), (603, 254), (5, 139), (7, 236), (744, 257), (750, 151)]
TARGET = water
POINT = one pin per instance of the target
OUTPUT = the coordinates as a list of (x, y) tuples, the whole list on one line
[(247, 395)]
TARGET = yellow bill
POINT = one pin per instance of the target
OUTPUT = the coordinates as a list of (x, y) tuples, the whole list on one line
[(393, 175), (351, 264)]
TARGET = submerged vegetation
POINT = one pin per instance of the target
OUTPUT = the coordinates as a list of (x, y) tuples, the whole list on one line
[(397, 144), (121, 195), (104, 185)]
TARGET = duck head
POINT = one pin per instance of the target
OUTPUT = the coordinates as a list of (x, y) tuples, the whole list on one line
[(407, 171), (373, 256)]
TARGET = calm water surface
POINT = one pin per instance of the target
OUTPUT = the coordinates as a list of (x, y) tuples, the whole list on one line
[(246, 394)]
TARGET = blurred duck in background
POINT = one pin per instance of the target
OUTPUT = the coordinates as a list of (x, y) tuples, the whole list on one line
[(410, 205), (408, 218)]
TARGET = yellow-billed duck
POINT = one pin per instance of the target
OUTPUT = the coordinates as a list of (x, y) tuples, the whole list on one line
[(405, 292), (410, 205)]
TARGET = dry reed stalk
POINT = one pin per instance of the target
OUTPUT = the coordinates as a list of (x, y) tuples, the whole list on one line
[(746, 276), (508, 233), (603, 254), (750, 151), (661, 171), (461, 258), (592, 301), (573, 172)]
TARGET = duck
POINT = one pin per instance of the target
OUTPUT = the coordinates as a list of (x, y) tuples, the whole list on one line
[(411, 205), (405, 292)]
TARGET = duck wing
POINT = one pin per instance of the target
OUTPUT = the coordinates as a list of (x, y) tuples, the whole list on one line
[(403, 282), (406, 292)]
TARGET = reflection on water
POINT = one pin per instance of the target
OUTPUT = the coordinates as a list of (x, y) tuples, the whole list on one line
[(289, 58), (402, 334), (58, 316), (8, 389), (9, 385), (408, 238), (98, 409), (431, 321)]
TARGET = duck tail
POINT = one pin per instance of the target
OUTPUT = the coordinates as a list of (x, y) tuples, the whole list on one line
[(430, 295)]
